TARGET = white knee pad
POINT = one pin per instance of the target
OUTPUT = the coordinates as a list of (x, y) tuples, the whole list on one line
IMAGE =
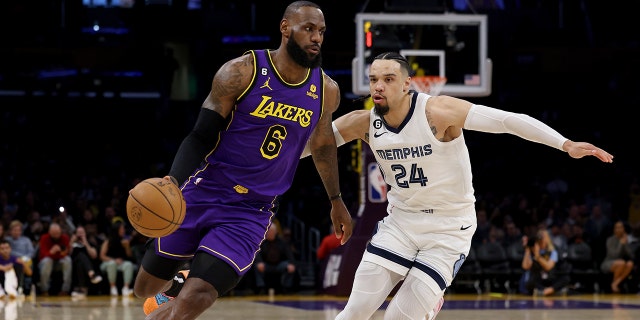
[(413, 301), (371, 287)]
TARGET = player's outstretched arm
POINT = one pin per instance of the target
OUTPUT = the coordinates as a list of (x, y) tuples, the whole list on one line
[(486, 119), (578, 150)]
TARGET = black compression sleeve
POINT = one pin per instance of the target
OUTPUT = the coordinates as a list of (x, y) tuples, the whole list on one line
[(197, 144)]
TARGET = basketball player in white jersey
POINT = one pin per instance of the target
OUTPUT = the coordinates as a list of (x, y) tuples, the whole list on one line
[(419, 145)]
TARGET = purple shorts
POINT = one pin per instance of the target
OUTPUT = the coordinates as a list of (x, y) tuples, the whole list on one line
[(220, 222)]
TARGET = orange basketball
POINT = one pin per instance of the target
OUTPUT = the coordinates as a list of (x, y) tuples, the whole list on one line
[(156, 207)]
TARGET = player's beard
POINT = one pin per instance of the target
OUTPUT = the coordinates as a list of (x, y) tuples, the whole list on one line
[(380, 110), (300, 56)]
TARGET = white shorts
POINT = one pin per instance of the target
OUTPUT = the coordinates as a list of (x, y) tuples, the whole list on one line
[(426, 245)]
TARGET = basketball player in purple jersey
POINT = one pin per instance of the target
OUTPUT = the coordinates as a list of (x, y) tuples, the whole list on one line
[(262, 108)]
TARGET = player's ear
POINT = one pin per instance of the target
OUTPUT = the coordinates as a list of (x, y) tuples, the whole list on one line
[(284, 27), (406, 85)]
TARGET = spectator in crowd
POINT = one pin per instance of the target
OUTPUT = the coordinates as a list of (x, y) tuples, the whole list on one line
[(54, 253), (65, 221), (22, 247), (287, 236), (89, 221), (8, 207), (524, 214), (598, 227), (540, 262), (33, 227), (138, 243), (116, 256), (554, 216), (558, 238), (106, 220), (574, 214), (512, 234), (84, 256), (577, 235), (496, 234), (484, 226), (12, 269), (619, 258), (274, 264)]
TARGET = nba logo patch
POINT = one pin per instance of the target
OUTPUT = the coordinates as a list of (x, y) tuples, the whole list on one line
[(377, 187)]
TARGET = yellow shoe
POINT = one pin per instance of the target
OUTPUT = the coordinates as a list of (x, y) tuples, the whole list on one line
[(153, 303)]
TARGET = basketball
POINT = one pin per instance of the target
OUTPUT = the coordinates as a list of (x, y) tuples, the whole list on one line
[(156, 207)]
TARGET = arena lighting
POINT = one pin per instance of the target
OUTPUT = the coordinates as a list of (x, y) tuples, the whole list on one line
[(108, 4), (57, 73), (96, 29)]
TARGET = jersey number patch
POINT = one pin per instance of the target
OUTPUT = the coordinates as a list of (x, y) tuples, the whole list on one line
[(416, 175), (272, 143)]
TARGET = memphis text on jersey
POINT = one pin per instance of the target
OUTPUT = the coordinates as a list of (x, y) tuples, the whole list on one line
[(268, 107), (405, 153)]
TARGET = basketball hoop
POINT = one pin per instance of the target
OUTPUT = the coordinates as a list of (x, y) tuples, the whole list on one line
[(431, 85)]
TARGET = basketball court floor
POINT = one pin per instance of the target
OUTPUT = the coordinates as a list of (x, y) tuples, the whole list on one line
[(313, 307)]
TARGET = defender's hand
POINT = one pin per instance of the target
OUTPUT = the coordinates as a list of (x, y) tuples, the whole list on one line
[(578, 150)]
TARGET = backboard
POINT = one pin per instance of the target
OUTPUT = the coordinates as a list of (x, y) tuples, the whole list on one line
[(448, 45)]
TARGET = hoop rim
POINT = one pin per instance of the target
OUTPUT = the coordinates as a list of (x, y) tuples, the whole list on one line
[(430, 84), (429, 78)]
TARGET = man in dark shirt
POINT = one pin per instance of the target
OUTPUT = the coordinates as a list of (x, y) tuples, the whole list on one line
[(274, 265)]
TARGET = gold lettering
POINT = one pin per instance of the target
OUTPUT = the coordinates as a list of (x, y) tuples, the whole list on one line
[(299, 114), (282, 111), (289, 113), (306, 120), (279, 111), (259, 111)]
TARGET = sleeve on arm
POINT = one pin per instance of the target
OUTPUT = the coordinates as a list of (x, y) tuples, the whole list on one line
[(486, 119), (197, 144)]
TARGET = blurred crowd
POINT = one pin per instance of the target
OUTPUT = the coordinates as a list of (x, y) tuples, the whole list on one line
[(84, 247), (87, 219)]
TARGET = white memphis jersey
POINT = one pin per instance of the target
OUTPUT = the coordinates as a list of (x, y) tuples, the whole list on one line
[(425, 174)]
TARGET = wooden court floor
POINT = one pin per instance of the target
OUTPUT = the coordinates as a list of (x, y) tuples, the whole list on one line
[(313, 307)]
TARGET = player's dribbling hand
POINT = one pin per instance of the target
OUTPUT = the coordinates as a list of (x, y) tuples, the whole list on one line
[(172, 180)]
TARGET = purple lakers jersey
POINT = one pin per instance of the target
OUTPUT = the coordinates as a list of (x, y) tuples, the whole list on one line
[(259, 151)]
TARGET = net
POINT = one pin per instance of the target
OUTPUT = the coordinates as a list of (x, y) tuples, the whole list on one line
[(428, 84)]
